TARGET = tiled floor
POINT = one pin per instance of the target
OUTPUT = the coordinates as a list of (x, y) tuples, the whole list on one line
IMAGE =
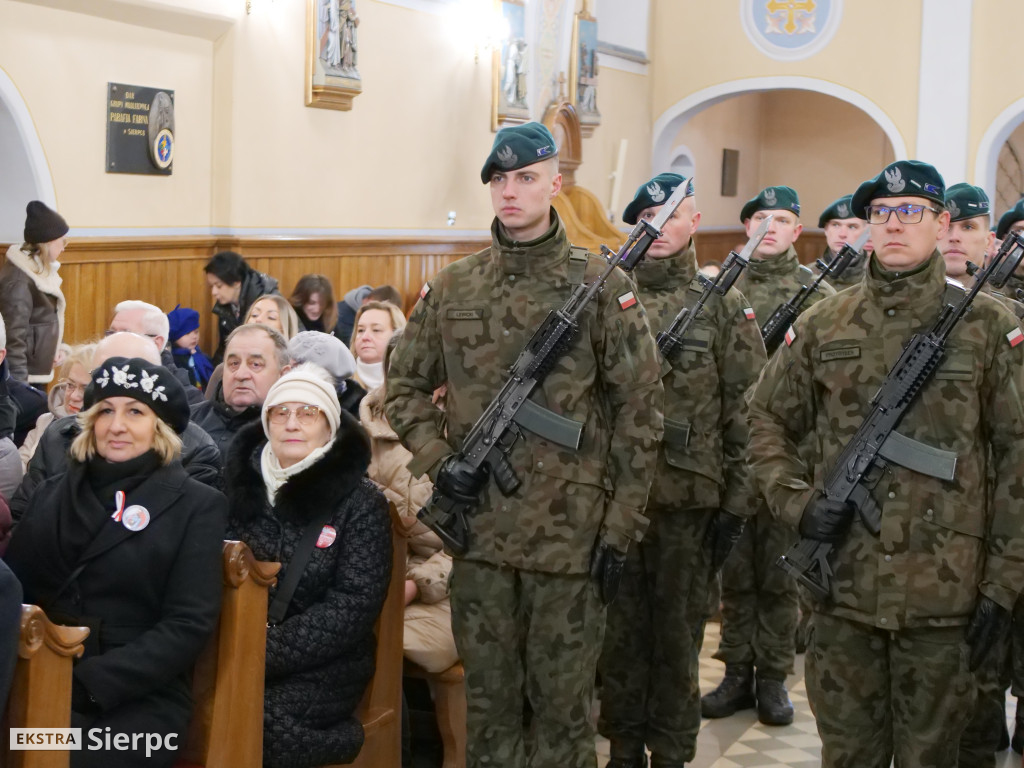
[(742, 742)]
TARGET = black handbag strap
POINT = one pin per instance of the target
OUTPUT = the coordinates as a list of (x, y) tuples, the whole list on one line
[(293, 571)]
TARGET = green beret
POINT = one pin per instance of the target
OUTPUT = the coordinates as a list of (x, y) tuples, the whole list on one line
[(772, 199), (965, 201), (1010, 218), (654, 192), (904, 178), (517, 147), (839, 209)]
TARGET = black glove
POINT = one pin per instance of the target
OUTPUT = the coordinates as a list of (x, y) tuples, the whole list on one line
[(826, 520), (989, 622), (606, 566), (461, 481), (721, 536)]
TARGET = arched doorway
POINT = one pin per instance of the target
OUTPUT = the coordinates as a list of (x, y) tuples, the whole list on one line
[(26, 174), (999, 164)]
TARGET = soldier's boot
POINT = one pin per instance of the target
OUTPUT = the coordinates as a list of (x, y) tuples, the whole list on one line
[(627, 754), (735, 692), (773, 704), (1017, 742), (666, 762)]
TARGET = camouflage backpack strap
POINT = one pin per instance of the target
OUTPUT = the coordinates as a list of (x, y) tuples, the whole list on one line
[(579, 257)]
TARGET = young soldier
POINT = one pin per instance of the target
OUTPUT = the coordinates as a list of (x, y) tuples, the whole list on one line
[(526, 617), (759, 601), (842, 227), (1012, 221), (701, 494), (887, 669)]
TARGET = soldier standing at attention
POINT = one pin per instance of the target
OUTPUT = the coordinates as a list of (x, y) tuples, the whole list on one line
[(842, 227), (759, 601), (527, 618), (700, 496), (912, 607), (1012, 221)]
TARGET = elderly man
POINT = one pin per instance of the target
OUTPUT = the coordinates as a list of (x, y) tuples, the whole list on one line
[(150, 321), (255, 356), (199, 454), (915, 606)]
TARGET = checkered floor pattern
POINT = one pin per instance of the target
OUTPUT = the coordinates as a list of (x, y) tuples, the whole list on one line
[(741, 741)]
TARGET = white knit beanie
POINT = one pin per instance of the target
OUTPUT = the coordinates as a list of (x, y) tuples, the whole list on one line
[(306, 383)]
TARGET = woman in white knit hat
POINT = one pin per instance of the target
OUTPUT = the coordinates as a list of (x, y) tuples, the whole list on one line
[(298, 495)]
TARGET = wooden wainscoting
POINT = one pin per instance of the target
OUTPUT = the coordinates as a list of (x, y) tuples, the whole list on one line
[(714, 245), (100, 272)]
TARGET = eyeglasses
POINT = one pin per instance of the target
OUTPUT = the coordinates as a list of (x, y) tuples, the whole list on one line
[(907, 214), (70, 387), (304, 414), (111, 332)]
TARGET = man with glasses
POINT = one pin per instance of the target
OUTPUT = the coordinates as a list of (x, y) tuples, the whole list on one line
[(913, 608), (759, 602), (150, 321)]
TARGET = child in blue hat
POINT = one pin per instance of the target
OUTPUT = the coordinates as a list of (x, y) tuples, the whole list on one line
[(184, 335)]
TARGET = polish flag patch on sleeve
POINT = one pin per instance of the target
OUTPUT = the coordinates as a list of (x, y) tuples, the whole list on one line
[(748, 313), (627, 300), (790, 336), (424, 290), (1015, 337)]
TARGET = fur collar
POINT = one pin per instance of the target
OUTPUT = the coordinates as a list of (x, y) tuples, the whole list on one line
[(328, 481)]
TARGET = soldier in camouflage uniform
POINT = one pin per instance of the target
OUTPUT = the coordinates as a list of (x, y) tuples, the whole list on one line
[(527, 618), (888, 660), (841, 227), (700, 496), (759, 601)]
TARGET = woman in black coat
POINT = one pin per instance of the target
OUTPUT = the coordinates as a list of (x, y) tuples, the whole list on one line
[(303, 467), (126, 543)]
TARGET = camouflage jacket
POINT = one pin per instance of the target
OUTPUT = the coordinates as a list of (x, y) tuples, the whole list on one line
[(1014, 305), (851, 276), (940, 541), (768, 283), (471, 323), (702, 461)]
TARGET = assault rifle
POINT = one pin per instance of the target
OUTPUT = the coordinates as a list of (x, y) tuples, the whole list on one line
[(876, 441), (496, 431), (774, 330), (672, 337)]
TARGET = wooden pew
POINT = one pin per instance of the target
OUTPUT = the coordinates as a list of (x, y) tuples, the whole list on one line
[(41, 691), (227, 726), (380, 711), (449, 689)]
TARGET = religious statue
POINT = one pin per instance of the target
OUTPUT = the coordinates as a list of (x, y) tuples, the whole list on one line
[(513, 86), (336, 29)]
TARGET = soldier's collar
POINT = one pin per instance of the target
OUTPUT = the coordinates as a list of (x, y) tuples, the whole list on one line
[(917, 287), (523, 258), (767, 269), (677, 269)]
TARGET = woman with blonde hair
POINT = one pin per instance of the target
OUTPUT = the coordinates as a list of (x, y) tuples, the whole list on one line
[(31, 301), (274, 310), (126, 543), (65, 399), (375, 324)]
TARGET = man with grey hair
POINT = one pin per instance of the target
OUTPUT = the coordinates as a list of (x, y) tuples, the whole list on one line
[(199, 453), (149, 320), (255, 356)]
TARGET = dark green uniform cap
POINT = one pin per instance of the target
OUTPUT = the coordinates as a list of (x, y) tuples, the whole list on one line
[(904, 178), (965, 201), (772, 199), (838, 209), (517, 147), (1010, 218), (654, 192)]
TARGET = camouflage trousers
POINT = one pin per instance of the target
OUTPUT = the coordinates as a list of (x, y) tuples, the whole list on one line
[(649, 666), (876, 694), (527, 641), (759, 599)]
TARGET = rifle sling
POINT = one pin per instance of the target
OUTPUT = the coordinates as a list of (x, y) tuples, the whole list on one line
[(549, 425), (918, 457)]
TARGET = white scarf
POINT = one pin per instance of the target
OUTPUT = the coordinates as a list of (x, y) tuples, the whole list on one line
[(370, 374), (274, 475)]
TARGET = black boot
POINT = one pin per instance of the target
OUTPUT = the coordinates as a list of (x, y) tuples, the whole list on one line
[(773, 704), (666, 762), (735, 692), (626, 755), (1017, 742)]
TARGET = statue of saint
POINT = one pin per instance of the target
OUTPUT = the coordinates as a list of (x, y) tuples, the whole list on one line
[(514, 84)]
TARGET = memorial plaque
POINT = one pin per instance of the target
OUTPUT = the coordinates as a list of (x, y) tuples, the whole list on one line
[(140, 129)]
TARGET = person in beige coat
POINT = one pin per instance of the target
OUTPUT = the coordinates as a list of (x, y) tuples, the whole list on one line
[(428, 639)]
